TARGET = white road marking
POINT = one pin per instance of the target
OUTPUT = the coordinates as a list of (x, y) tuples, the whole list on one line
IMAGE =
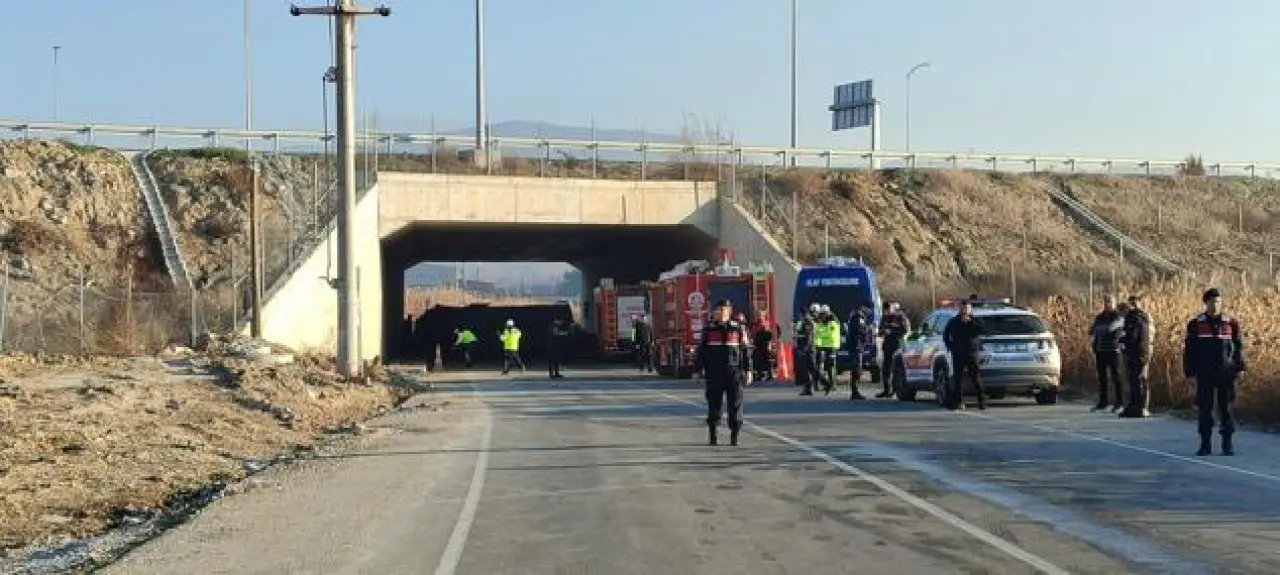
[(458, 539), (1058, 518), (945, 516), (1122, 445)]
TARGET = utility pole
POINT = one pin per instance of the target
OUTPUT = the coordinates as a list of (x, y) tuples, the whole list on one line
[(56, 49), (793, 82), (345, 11), (482, 125), (911, 73), (256, 266)]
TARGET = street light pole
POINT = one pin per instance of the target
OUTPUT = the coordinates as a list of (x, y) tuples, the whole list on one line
[(911, 73), (794, 119), (256, 266), (482, 127), (345, 11), (56, 49)]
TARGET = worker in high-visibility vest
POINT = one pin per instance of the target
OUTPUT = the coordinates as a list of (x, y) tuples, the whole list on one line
[(465, 342), (828, 331), (510, 338)]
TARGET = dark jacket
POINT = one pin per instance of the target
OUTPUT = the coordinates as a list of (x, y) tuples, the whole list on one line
[(859, 333), (762, 338), (894, 327), (1214, 347), (1138, 336), (1107, 331), (804, 334), (557, 336), (724, 350), (963, 338), (641, 333)]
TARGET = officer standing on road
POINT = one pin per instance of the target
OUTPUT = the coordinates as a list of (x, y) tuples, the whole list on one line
[(894, 327), (557, 341), (859, 332), (1139, 344), (724, 358), (763, 338), (1213, 357), (1107, 331), (642, 338), (510, 338), (963, 338), (464, 342), (828, 346), (806, 350)]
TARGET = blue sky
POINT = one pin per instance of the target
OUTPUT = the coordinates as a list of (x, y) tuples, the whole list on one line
[(1104, 77)]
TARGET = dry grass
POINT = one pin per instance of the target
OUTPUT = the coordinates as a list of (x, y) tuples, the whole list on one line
[(84, 442), (418, 300), (1172, 305)]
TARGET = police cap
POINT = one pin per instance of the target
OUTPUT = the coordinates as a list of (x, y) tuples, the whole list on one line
[(1211, 293)]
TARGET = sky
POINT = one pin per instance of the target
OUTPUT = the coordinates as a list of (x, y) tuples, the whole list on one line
[(1131, 78)]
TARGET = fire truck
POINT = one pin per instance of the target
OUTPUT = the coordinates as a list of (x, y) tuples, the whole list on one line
[(615, 307), (680, 302)]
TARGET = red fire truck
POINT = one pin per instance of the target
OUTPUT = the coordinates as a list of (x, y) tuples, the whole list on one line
[(615, 307), (680, 302)]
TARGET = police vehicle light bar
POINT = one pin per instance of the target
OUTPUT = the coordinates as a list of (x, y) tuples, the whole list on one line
[(979, 302)]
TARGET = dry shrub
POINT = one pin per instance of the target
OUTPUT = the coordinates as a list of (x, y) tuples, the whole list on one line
[(33, 236), (1193, 165), (1171, 306)]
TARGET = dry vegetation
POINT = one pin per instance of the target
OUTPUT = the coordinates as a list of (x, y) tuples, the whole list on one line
[(90, 444), (1171, 306), (419, 300)]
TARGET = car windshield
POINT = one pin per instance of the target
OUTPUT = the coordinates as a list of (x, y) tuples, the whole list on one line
[(1020, 324)]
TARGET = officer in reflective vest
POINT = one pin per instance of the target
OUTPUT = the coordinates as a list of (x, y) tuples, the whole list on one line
[(1213, 357), (724, 358), (828, 344), (510, 338), (465, 342)]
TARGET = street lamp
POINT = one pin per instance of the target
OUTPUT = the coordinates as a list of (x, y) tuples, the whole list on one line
[(482, 135), (911, 73), (793, 79), (56, 49)]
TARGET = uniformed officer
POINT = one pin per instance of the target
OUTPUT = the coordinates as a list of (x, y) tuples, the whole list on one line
[(806, 351), (724, 358), (1213, 357), (642, 338), (963, 338), (465, 342), (859, 333), (763, 336), (828, 347), (894, 327), (510, 338), (557, 340)]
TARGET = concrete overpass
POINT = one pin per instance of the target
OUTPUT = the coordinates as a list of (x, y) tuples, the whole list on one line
[(627, 230)]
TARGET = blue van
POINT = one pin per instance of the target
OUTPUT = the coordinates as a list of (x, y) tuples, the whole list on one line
[(843, 284)]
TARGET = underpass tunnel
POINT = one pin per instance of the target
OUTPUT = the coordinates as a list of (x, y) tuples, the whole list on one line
[(627, 254)]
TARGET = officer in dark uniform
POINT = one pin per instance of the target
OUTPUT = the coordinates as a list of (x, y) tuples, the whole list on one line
[(894, 327), (1139, 344), (806, 353), (1213, 356), (642, 338), (856, 343), (963, 338), (557, 340), (724, 358)]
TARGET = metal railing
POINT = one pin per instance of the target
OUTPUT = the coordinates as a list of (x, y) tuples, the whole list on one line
[(160, 219), (829, 158), (1125, 243)]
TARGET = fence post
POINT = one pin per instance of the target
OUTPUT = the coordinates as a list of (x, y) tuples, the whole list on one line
[(128, 310), (235, 292), (1090, 302), (82, 342), (4, 297), (1013, 283), (192, 305)]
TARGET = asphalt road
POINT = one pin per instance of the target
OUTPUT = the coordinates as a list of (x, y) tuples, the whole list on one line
[(607, 472)]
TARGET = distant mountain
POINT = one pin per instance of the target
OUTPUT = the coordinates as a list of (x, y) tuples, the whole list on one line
[(533, 129)]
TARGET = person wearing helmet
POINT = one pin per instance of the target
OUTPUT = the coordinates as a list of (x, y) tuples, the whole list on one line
[(510, 338), (806, 351), (828, 345), (724, 358)]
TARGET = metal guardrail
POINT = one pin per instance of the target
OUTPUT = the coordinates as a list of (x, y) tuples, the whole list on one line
[(994, 160), (1126, 244), (160, 219)]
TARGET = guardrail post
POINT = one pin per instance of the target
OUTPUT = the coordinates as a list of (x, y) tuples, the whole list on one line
[(88, 136), (155, 136), (275, 142), (595, 158), (1071, 165)]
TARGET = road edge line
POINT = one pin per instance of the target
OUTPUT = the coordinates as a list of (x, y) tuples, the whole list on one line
[(452, 555)]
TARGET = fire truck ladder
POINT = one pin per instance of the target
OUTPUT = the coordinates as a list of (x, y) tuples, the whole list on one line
[(609, 320), (761, 299)]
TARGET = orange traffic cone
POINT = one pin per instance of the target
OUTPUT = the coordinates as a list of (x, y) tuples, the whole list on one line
[(784, 372)]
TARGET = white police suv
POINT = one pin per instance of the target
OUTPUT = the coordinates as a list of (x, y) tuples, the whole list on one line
[(1019, 354)]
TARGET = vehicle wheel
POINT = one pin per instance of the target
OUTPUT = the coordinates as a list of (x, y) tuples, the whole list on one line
[(899, 383), (940, 385), (1047, 397)]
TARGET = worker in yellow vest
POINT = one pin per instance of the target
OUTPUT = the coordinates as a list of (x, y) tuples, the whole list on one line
[(510, 338), (465, 342), (828, 344)]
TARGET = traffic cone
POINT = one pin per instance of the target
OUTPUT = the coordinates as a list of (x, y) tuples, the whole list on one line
[(784, 372)]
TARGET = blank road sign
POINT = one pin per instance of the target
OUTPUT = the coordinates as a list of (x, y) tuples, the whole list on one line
[(847, 118), (853, 94)]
